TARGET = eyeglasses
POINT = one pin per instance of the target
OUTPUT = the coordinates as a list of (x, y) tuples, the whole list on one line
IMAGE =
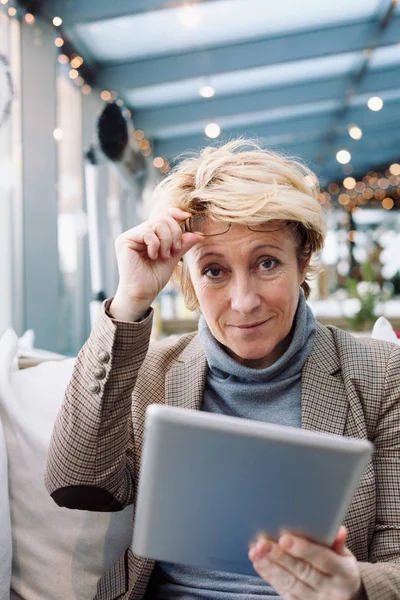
[(204, 225)]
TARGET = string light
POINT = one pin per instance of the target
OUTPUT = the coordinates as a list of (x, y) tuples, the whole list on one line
[(12, 11), (344, 199), (138, 134), (387, 203), (355, 132), (395, 169), (145, 145), (76, 62), (189, 18), (349, 183), (29, 19), (105, 95), (158, 162), (3, 1)]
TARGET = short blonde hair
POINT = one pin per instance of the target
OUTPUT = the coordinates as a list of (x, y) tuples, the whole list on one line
[(241, 182)]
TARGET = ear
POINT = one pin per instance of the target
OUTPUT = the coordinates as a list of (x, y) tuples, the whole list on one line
[(303, 271)]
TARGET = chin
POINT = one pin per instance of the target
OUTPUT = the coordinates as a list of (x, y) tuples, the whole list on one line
[(244, 354)]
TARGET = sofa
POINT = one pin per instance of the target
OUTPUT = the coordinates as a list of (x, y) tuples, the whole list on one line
[(48, 552)]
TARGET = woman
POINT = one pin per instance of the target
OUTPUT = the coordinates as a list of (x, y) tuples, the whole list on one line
[(237, 227)]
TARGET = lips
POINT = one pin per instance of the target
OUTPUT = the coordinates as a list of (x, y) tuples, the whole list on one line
[(250, 325)]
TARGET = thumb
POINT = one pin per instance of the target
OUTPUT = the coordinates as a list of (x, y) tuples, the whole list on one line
[(188, 241), (339, 545)]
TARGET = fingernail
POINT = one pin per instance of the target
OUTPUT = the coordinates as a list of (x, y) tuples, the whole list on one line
[(286, 541), (267, 546), (178, 245)]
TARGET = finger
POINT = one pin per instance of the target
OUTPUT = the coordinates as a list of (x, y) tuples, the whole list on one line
[(301, 569), (320, 557), (173, 211), (285, 583), (163, 232), (188, 241), (152, 243), (176, 233)]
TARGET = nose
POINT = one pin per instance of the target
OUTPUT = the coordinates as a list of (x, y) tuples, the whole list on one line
[(244, 296)]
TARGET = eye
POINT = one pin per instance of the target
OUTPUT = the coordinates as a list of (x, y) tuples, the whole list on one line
[(267, 264), (212, 272)]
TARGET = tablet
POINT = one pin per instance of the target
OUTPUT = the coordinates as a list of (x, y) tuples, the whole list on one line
[(210, 482)]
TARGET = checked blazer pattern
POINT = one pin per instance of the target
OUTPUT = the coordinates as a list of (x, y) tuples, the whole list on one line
[(350, 387)]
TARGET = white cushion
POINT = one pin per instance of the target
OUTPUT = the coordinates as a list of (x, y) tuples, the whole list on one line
[(59, 554), (5, 525), (383, 330)]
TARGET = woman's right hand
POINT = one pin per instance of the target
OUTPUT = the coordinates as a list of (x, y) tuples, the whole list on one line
[(147, 256)]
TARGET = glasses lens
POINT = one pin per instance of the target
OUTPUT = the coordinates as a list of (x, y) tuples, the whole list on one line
[(268, 226), (205, 226)]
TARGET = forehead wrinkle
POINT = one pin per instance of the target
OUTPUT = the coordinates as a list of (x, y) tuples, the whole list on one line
[(202, 253)]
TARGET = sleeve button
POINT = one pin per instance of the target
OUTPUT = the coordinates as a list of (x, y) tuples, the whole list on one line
[(100, 373), (104, 357), (94, 387)]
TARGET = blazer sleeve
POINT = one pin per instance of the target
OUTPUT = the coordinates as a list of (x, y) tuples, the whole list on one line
[(90, 459), (381, 576)]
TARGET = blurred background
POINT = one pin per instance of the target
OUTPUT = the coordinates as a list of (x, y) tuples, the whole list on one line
[(100, 98)]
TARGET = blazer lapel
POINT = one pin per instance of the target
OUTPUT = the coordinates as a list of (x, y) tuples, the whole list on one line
[(324, 402), (324, 396), (185, 381)]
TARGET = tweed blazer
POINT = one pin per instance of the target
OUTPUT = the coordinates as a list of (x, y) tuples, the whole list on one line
[(349, 387)]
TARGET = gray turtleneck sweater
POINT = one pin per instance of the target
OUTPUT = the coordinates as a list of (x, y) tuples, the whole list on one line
[(273, 395)]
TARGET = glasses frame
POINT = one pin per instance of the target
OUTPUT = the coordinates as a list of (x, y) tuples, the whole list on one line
[(186, 227)]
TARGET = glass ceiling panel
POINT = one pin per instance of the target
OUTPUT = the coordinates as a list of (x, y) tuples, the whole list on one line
[(247, 80), (201, 25)]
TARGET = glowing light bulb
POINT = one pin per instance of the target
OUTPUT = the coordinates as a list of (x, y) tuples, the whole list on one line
[(212, 130), (355, 132), (207, 91), (343, 157), (375, 103)]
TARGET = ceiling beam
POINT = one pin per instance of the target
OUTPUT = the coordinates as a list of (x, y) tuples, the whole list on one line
[(197, 114), (88, 11), (300, 125), (349, 37), (376, 136)]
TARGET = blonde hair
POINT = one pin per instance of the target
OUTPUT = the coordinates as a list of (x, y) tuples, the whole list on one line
[(241, 182)]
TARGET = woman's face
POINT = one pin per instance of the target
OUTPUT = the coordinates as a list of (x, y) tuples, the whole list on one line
[(247, 285)]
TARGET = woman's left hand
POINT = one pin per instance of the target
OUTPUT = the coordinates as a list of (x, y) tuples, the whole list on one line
[(302, 570)]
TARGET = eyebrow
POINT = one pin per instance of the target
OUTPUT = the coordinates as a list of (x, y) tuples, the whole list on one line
[(200, 256)]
